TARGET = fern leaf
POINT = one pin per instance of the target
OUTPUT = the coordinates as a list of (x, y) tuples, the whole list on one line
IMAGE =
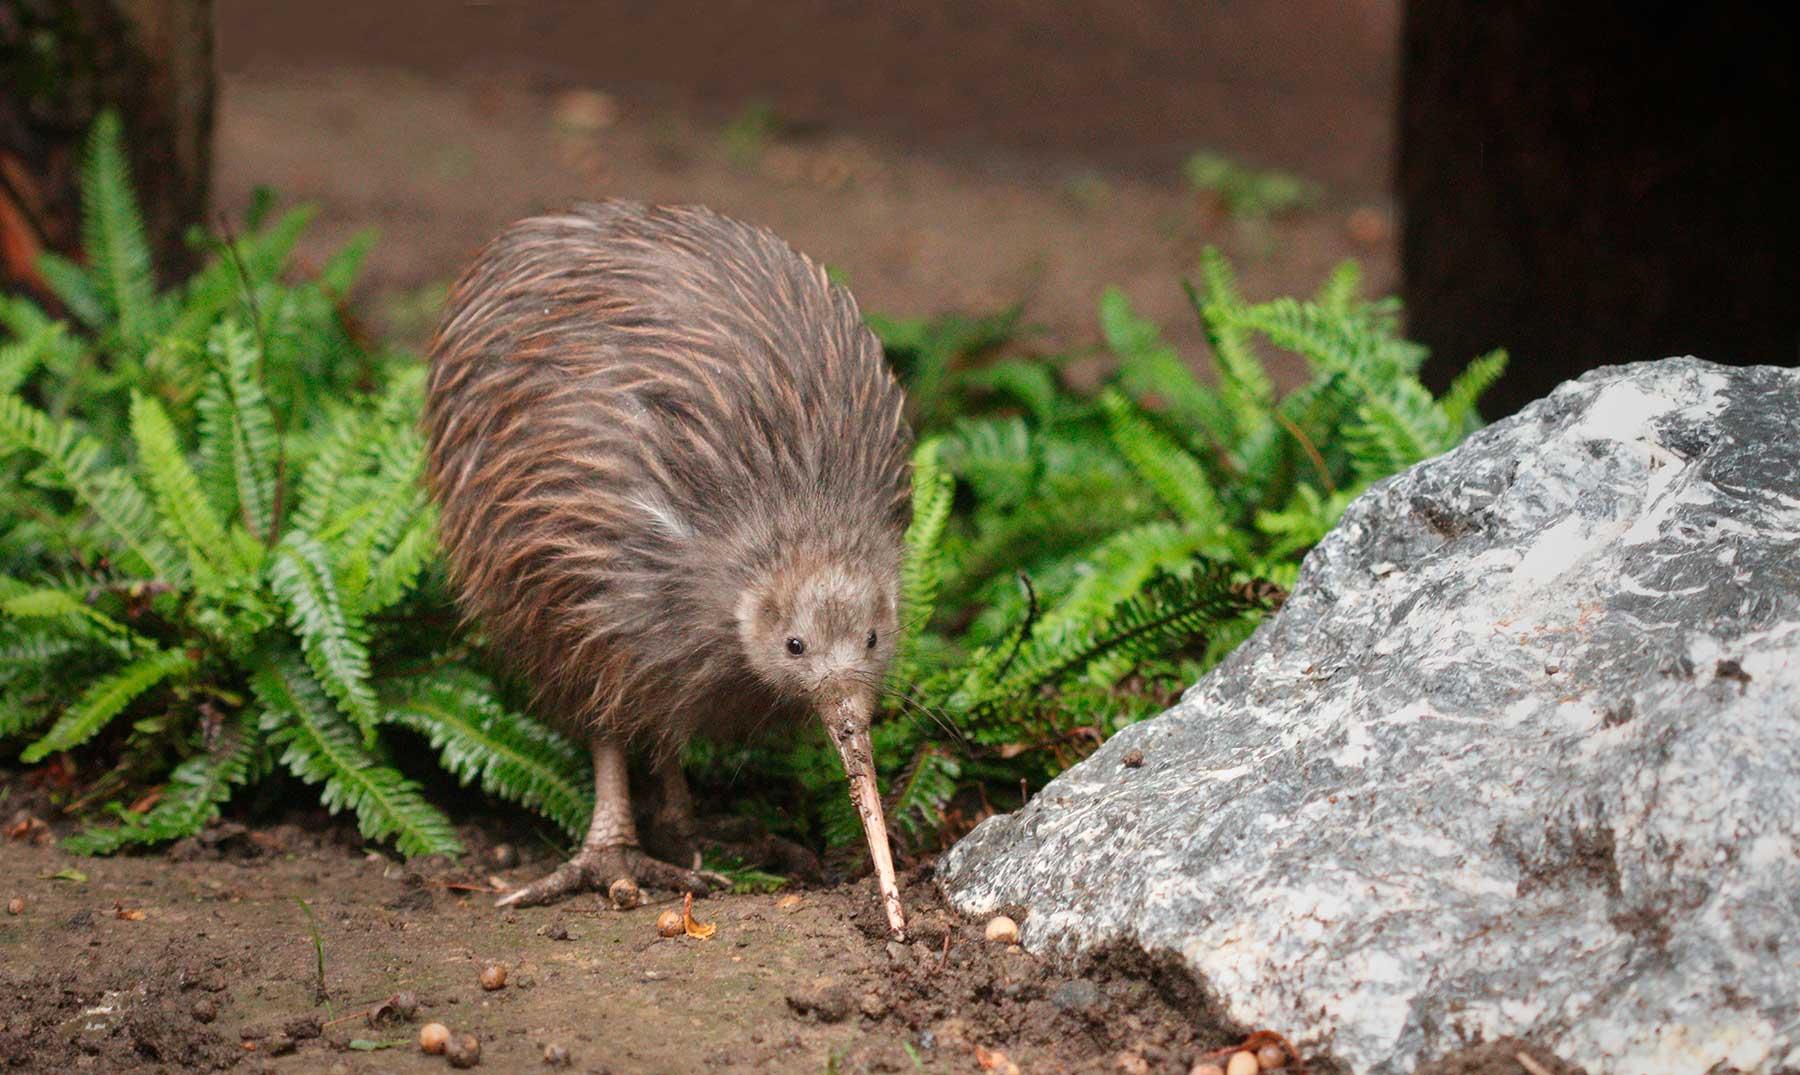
[(248, 424), (319, 747), (338, 275), (1171, 471), (191, 799), (1244, 384), (1475, 379), (511, 756), (322, 486), (332, 639), (187, 517), (398, 572), (74, 288), (1153, 373), (921, 572), (19, 360), (1339, 293), (112, 234), (105, 700), (70, 460), (917, 800)]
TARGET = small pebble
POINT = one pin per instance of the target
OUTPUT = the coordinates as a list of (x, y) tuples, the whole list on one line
[(1002, 930), (624, 894), (556, 1056), (16, 905), (205, 1011), (464, 1052), (1271, 1056), (669, 924), (1242, 1063), (789, 902), (1132, 759), (433, 1037), (1133, 1064), (503, 856), (405, 1004), (493, 976), (1205, 1067)]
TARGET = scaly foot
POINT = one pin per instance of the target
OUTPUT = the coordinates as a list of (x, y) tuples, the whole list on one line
[(596, 868)]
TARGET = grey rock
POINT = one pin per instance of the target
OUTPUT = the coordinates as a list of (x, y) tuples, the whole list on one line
[(1079, 995), (1520, 756)]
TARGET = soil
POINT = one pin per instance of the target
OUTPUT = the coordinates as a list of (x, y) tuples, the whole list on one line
[(203, 958), (438, 165)]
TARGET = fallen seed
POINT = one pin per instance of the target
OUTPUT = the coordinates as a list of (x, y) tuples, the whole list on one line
[(16, 905), (465, 1052), (493, 976), (1242, 1064), (1271, 1056), (433, 1037), (668, 924), (624, 894), (1002, 930)]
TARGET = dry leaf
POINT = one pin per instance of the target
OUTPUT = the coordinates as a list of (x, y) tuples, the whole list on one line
[(127, 914), (692, 928), (995, 1060)]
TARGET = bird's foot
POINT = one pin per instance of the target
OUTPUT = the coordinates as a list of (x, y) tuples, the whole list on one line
[(596, 868)]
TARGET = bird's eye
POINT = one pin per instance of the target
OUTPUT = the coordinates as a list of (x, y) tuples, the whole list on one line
[(871, 642), (796, 647)]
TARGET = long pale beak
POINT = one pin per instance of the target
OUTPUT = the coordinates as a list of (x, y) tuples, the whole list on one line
[(848, 724)]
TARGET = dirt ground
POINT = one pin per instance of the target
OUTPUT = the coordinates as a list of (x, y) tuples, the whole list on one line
[(439, 165), (203, 958)]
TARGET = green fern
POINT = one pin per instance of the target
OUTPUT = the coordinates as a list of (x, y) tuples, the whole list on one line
[(187, 517), (333, 640), (196, 790), (241, 416), (113, 235), (106, 699), (319, 747), (512, 757)]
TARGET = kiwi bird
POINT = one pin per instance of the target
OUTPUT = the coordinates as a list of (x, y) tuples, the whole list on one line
[(672, 472)]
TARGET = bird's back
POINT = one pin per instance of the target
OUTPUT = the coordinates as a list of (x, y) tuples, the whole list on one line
[(628, 407)]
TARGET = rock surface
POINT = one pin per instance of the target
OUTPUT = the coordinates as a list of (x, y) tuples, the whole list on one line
[(1521, 755)]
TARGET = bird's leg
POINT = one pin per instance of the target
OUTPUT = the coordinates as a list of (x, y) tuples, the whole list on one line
[(673, 834), (672, 828), (610, 849)]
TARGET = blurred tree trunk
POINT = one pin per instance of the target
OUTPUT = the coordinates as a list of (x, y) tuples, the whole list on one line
[(61, 63), (1587, 184)]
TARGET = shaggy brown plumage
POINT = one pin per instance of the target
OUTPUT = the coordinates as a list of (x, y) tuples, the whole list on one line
[(672, 471)]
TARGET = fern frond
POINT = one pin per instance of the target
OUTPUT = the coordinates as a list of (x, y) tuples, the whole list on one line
[(917, 799), (70, 459), (921, 571), (1244, 383), (332, 639), (1170, 470), (1467, 389), (1340, 291), (112, 234), (70, 615), (191, 799), (20, 359), (187, 518), (1153, 373), (241, 412), (395, 574), (74, 288), (106, 699), (322, 490), (320, 747), (1171, 607), (512, 756)]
